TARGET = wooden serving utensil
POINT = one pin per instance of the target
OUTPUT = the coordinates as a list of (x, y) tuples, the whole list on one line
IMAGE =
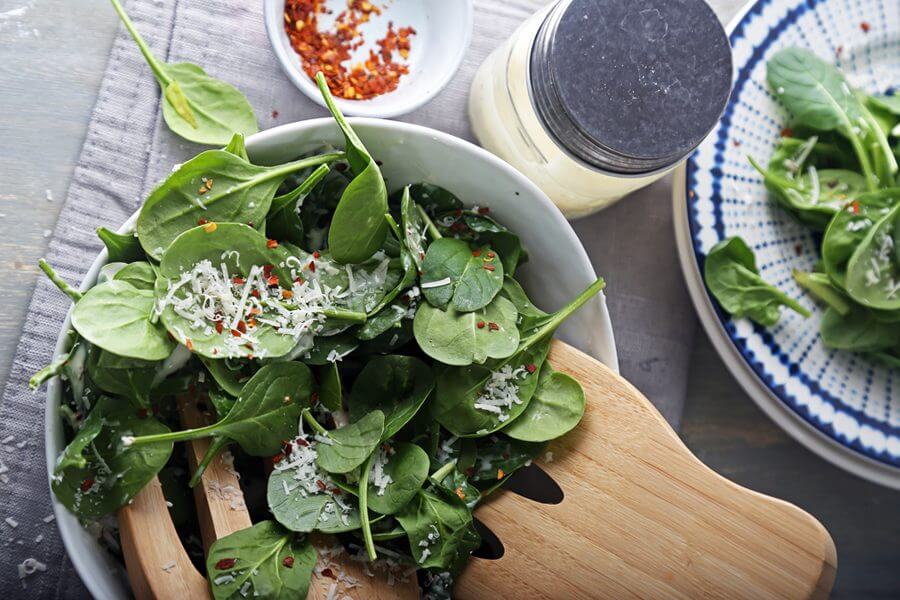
[(158, 565), (640, 517)]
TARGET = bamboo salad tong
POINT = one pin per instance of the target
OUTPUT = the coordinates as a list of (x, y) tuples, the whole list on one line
[(626, 512)]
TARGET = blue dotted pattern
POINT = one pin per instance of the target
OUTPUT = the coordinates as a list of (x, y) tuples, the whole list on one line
[(750, 125)]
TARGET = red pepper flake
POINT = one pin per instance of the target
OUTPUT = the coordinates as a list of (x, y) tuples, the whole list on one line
[(488, 267), (337, 491), (314, 398), (500, 473), (302, 442), (838, 51), (798, 249), (316, 254), (254, 293), (287, 294), (271, 244), (340, 167), (480, 324), (736, 143), (491, 255), (288, 562), (312, 266), (865, 26), (87, 484), (856, 207), (235, 333), (272, 280), (460, 493), (142, 413), (242, 327), (320, 484), (189, 344), (277, 459), (458, 212), (225, 563), (299, 281), (476, 252), (275, 114), (202, 221), (493, 326), (267, 269), (483, 210), (219, 327), (238, 280), (328, 573), (531, 368), (787, 132), (328, 50)]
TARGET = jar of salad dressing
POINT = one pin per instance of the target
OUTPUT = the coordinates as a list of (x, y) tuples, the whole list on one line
[(593, 99)]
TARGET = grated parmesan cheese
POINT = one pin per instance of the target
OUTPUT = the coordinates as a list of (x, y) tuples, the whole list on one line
[(501, 392)]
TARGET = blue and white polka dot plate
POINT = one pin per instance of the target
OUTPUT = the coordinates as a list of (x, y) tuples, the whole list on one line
[(839, 404)]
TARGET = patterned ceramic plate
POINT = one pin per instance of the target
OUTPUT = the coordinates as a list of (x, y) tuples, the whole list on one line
[(839, 404)]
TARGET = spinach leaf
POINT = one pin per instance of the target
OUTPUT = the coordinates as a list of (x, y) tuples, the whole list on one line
[(461, 338), (818, 96), (873, 273), (481, 230), (858, 330), (230, 374), (96, 474), (388, 318), (122, 376), (402, 471), (116, 317), (266, 412), (441, 532), (332, 348), (330, 390), (395, 385), (555, 408), (413, 228), (849, 227), (350, 445), (455, 274), (455, 484), (237, 146), (513, 292), (265, 561), (284, 222), (197, 107), (121, 247), (139, 274), (240, 193), (888, 103), (434, 198), (304, 511), (731, 275), (498, 457), (358, 228)]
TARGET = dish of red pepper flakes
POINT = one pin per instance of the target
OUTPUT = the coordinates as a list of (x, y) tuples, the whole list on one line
[(329, 50)]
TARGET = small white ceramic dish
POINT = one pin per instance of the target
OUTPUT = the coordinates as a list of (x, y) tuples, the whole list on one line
[(443, 31), (557, 270), (841, 405)]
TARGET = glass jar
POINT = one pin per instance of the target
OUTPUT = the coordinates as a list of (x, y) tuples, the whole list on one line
[(593, 99)]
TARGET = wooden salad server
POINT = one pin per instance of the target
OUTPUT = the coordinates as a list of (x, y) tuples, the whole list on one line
[(642, 517), (158, 565)]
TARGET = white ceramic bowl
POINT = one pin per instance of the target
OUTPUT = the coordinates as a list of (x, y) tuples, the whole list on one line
[(557, 270), (443, 31)]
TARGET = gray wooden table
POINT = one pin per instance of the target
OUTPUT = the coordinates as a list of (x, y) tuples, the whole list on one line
[(52, 55)]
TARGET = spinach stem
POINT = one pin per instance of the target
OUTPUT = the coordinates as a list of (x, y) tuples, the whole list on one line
[(302, 190), (298, 165), (155, 66), (863, 158), (394, 227), (882, 142), (59, 282), (432, 228), (211, 452), (559, 316), (172, 436), (438, 476), (364, 506), (311, 421), (351, 316)]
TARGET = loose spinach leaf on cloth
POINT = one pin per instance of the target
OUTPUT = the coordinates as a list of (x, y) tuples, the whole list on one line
[(350, 445), (455, 274), (197, 107), (731, 275), (873, 272), (406, 465), (441, 532), (358, 228), (461, 338), (216, 187), (266, 412), (555, 408), (121, 247), (116, 317), (395, 385), (263, 561), (97, 474), (849, 227)]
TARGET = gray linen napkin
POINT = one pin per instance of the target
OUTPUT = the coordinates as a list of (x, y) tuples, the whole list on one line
[(128, 149)]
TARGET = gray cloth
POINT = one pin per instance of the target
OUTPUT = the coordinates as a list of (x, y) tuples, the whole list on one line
[(128, 149)]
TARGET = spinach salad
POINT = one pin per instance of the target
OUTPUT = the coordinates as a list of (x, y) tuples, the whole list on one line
[(375, 351), (835, 170)]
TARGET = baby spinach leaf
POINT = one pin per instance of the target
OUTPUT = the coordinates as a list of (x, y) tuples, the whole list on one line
[(434, 198), (513, 292), (461, 338), (265, 561), (129, 377), (284, 222), (237, 146), (121, 247), (555, 408), (731, 275), (230, 374), (407, 467), (197, 107), (350, 445), (293, 509), (859, 330), (464, 396), (332, 348), (240, 193), (455, 274), (116, 317), (139, 274), (266, 412), (330, 390), (849, 227), (97, 475), (388, 318), (873, 273), (238, 249), (888, 103), (358, 228), (456, 485), (395, 385), (441, 532), (481, 230), (498, 457), (413, 228)]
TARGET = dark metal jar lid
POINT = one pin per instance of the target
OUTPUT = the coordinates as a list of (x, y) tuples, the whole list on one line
[(630, 86)]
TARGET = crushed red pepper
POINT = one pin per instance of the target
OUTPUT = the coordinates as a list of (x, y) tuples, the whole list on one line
[(328, 50)]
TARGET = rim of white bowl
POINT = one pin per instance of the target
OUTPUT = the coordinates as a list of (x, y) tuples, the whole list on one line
[(273, 17), (67, 522)]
